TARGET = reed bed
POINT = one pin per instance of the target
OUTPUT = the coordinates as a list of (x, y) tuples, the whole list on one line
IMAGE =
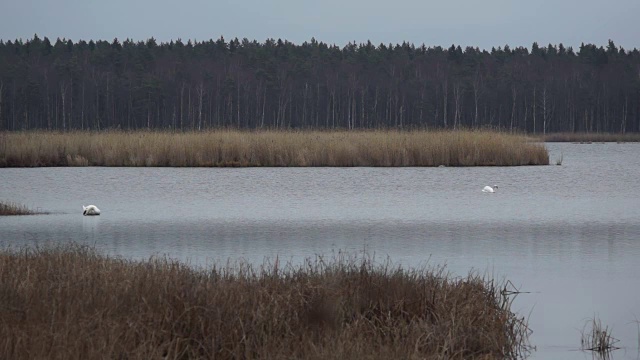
[(592, 137), (269, 148), (10, 208), (71, 303)]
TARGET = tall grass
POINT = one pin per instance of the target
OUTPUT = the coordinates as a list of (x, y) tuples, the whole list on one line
[(71, 303), (9, 208), (269, 148)]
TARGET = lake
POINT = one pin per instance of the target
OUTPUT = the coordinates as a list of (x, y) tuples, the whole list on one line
[(567, 234)]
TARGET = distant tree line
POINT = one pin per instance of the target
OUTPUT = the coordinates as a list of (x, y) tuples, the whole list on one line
[(277, 84)]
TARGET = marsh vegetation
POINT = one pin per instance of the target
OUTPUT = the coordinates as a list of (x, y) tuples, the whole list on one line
[(597, 338), (65, 302), (269, 148), (10, 208)]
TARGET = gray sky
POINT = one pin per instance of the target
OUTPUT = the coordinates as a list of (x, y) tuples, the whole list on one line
[(462, 22)]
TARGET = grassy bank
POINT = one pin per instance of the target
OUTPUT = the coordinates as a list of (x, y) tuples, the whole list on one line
[(71, 303), (269, 148), (591, 137), (9, 208)]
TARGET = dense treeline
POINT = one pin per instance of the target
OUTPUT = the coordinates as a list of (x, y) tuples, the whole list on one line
[(277, 84)]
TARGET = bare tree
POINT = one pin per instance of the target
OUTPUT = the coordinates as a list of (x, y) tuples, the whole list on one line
[(1, 97), (63, 95), (200, 91)]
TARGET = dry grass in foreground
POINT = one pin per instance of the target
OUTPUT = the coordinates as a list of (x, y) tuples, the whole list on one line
[(269, 148), (71, 303), (591, 137), (9, 208)]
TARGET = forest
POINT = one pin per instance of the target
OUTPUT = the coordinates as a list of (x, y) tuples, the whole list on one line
[(276, 84)]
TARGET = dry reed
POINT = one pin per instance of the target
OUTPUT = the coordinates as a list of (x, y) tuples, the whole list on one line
[(269, 148), (71, 303), (597, 338), (9, 208)]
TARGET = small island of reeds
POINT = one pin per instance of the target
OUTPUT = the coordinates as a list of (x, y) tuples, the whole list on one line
[(71, 302), (227, 148), (10, 208)]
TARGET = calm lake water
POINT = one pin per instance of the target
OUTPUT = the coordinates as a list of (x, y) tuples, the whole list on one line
[(568, 234)]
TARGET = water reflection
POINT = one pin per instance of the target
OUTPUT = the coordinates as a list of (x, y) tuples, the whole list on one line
[(91, 226)]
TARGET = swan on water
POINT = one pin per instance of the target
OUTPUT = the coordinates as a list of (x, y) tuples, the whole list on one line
[(90, 210), (489, 189)]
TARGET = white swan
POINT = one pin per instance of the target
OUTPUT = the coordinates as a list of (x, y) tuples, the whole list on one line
[(489, 189), (90, 210)]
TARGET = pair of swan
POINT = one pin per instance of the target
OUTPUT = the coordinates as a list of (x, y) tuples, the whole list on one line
[(489, 189), (93, 210), (90, 210)]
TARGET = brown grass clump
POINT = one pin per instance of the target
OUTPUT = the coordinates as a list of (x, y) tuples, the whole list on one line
[(10, 208), (597, 338), (591, 137), (71, 303), (269, 148)]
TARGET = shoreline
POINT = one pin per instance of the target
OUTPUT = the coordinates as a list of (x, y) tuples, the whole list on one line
[(588, 138)]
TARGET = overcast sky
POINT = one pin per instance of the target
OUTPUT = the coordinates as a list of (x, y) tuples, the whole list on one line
[(481, 23)]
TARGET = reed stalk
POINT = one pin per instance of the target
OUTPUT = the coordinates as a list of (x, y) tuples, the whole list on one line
[(598, 338)]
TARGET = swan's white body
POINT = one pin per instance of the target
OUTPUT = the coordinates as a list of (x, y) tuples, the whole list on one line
[(489, 189), (90, 210)]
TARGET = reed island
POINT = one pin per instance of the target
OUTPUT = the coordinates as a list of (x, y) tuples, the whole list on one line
[(225, 148), (11, 208)]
